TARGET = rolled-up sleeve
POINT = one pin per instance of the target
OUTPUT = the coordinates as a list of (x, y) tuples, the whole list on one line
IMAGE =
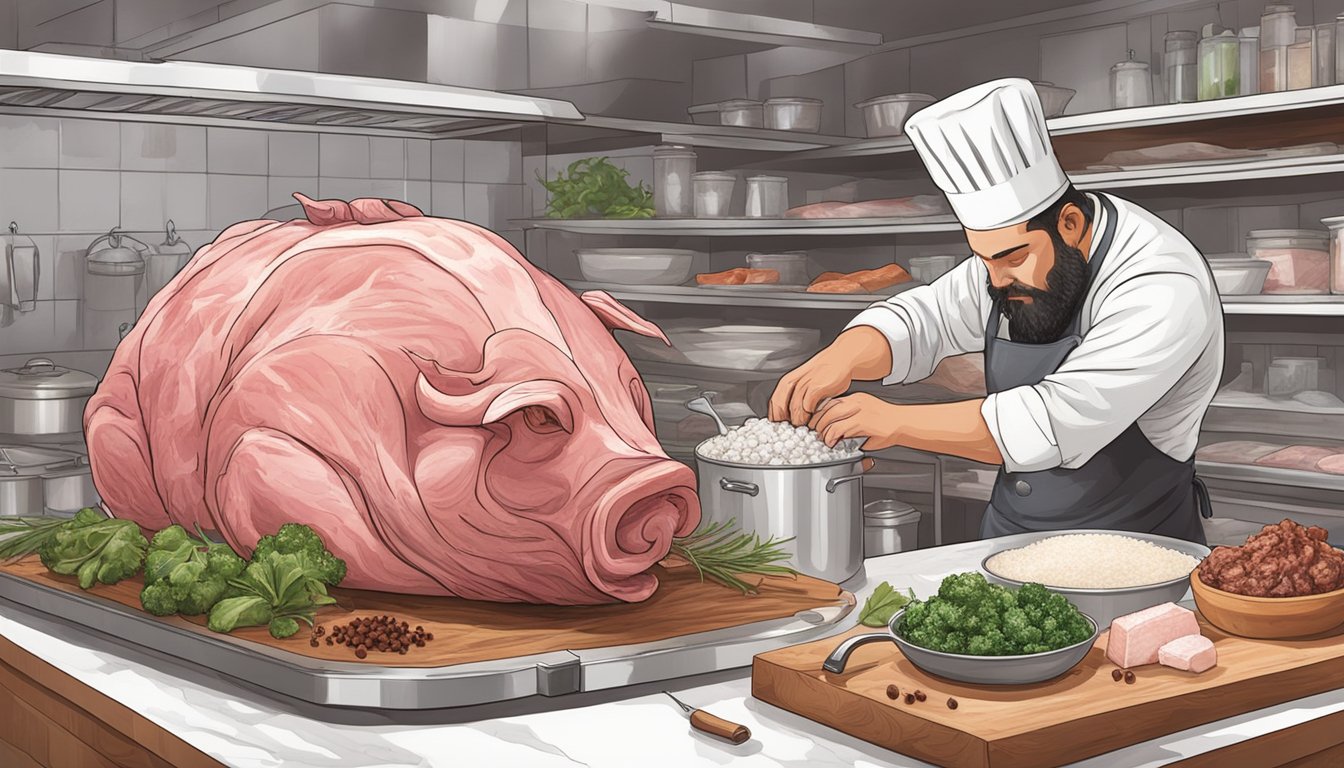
[(1146, 334), (926, 324)]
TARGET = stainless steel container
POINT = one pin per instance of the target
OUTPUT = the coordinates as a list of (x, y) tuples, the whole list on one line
[(1105, 605), (820, 506), (889, 526), (42, 398), (22, 473)]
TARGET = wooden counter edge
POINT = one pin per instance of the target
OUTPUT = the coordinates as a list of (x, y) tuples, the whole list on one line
[(83, 701), (867, 719)]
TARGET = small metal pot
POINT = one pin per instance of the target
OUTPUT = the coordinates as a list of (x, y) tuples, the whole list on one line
[(889, 526), (820, 506), (42, 398), (22, 470), (66, 491)]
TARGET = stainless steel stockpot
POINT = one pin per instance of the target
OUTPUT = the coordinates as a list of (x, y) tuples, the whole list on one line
[(820, 506), (42, 398)]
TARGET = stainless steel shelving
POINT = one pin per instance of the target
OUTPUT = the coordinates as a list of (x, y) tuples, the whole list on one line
[(1249, 473), (725, 297), (743, 227), (1293, 306)]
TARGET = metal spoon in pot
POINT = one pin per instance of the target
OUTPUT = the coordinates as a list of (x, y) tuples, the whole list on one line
[(702, 405)]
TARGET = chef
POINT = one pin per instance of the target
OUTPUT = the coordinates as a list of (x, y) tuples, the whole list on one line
[(1100, 323)]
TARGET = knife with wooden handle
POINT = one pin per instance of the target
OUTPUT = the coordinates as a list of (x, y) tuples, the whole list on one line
[(715, 726)]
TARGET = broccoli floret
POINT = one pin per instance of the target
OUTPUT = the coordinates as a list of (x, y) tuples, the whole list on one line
[(158, 599), (296, 539), (200, 596), (283, 627), (172, 537), (223, 562)]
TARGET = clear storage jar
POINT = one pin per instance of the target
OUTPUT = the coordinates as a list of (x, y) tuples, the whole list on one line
[(1301, 61), (1131, 84), (1219, 68), (1278, 33), (1180, 66), (673, 167), (743, 113), (791, 265), (1248, 60), (1339, 48), (767, 196), (1323, 44), (713, 193), (1299, 259), (1336, 225)]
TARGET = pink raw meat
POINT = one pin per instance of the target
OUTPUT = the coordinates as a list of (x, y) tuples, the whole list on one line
[(1299, 457), (1333, 465), (1296, 270), (1192, 653), (451, 419), (814, 211), (1135, 639), (1236, 452)]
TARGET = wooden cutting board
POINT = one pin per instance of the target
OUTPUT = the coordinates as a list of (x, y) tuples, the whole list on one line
[(469, 631), (1080, 715)]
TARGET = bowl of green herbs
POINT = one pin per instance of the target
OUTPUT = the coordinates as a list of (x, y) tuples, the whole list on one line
[(976, 632), (594, 187)]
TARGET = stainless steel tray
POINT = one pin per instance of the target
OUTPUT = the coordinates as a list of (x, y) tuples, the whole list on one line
[(366, 686)]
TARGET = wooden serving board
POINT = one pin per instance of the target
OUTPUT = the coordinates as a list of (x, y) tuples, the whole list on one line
[(1080, 715), (470, 631)]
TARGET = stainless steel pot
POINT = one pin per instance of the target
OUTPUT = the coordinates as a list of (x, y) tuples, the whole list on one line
[(820, 506), (41, 398), (22, 472), (66, 491)]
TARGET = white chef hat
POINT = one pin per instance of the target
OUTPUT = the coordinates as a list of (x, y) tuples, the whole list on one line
[(989, 151)]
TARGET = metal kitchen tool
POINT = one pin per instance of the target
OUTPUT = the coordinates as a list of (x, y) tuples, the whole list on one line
[(166, 259), (715, 726), (964, 668), (702, 405), (19, 273), (23, 471), (118, 255)]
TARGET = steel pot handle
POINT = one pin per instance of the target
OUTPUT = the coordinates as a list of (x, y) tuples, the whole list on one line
[(835, 663), (739, 486), (836, 482)]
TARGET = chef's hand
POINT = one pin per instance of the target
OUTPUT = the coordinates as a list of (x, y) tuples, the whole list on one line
[(861, 352), (858, 415)]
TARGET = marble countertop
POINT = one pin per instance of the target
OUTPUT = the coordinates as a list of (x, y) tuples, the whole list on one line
[(239, 725)]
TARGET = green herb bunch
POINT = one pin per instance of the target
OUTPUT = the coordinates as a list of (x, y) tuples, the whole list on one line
[(90, 546), (594, 186), (718, 553), (284, 583)]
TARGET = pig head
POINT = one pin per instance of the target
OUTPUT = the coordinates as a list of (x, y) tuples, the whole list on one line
[(451, 419)]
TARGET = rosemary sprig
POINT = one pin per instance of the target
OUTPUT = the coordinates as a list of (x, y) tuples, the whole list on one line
[(717, 552), (31, 533)]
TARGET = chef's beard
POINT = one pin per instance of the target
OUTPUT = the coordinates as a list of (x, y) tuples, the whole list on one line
[(1046, 317)]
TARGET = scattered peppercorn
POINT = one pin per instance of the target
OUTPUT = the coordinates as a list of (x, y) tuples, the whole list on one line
[(893, 692), (909, 698), (919, 695), (1129, 678), (951, 703), (381, 633), (1116, 675)]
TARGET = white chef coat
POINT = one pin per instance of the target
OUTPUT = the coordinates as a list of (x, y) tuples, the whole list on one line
[(1152, 348)]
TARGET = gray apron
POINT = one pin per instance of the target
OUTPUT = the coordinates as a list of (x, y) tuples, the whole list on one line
[(1128, 486)]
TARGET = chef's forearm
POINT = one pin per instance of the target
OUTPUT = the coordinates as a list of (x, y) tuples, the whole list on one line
[(866, 350), (956, 429)]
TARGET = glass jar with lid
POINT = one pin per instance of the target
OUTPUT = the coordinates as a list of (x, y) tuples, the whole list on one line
[(1339, 49), (1323, 44), (1278, 32), (673, 166), (1249, 61), (1219, 70), (1301, 62), (767, 196), (1131, 84), (1180, 66)]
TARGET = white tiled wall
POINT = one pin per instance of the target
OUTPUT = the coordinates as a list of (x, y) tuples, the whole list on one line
[(66, 182)]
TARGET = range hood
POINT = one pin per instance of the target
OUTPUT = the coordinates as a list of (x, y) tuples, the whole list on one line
[(213, 93)]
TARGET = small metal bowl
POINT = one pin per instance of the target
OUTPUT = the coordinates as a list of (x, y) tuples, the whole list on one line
[(1105, 605), (976, 670)]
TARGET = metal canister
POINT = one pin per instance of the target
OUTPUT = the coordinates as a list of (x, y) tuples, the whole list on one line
[(889, 526), (42, 398)]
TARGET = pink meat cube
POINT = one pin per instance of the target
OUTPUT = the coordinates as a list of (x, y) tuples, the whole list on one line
[(1135, 639), (1192, 653)]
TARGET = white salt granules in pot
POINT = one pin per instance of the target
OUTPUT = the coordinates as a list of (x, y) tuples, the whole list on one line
[(772, 443), (1092, 561)]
